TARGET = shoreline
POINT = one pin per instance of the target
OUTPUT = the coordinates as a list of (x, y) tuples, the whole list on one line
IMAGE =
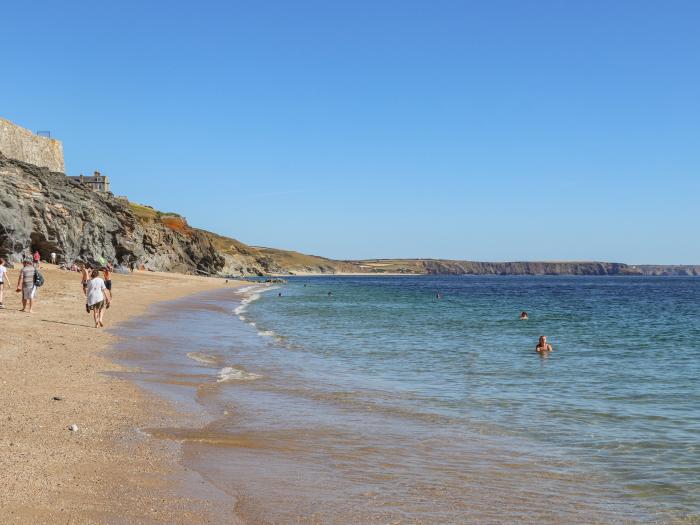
[(258, 428), (108, 470)]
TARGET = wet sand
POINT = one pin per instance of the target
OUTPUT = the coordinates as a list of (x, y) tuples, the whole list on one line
[(107, 471)]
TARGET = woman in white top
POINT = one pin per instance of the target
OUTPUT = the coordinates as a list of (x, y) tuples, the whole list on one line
[(98, 297)]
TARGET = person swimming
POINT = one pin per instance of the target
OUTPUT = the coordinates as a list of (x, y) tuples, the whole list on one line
[(523, 316), (542, 345)]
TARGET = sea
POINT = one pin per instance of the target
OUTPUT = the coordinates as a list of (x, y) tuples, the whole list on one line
[(422, 400)]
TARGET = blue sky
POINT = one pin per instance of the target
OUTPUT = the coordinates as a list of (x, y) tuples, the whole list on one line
[(470, 130)]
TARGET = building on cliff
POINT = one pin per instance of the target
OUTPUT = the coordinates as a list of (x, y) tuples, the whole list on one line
[(98, 182), (21, 144)]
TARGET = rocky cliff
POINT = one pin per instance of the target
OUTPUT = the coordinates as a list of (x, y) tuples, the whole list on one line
[(669, 270), (527, 268), (448, 267), (46, 211)]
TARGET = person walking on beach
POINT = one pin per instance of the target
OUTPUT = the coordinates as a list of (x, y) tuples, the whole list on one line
[(98, 297), (37, 258), (107, 272), (543, 346), (25, 284), (84, 277), (3, 278)]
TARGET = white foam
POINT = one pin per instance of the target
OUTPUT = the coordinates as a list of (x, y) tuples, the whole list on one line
[(238, 310), (241, 308), (203, 358), (245, 289), (231, 373)]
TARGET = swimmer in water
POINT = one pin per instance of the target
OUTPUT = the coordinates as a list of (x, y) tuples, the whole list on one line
[(438, 295), (279, 294), (523, 316), (330, 294), (543, 346)]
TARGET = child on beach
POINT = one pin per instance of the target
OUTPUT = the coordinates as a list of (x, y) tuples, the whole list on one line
[(98, 297), (3, 277)]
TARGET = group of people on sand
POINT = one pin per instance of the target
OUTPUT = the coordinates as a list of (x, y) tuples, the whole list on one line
[(97, 290), (543, 347)]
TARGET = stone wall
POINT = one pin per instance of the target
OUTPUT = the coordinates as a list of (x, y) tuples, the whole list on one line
[(21, 144)]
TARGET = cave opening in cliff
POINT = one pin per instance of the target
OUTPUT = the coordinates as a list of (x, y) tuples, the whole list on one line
[(43, 245)]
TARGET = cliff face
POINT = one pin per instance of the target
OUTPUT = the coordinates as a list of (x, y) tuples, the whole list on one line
[(528, 268), (448, 267), (670, 270), (46, 211)]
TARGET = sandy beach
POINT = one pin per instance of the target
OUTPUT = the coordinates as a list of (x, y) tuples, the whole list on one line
[(106, 471)]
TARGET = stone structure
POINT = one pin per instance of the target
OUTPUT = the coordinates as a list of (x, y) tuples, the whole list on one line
[(23, 145), (97, 182)]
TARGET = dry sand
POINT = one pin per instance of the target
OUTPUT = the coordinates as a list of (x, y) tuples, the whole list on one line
[(107, 471)]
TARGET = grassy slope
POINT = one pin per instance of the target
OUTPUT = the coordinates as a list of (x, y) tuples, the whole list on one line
[(283, 260), (300, 262)]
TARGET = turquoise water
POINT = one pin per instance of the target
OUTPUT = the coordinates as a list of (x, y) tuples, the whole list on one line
[(384, 404), (619, 396)]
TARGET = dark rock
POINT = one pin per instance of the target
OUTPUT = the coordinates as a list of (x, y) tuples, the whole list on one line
[(49, 212)]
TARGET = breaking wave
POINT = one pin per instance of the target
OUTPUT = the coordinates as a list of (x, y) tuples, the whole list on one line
[(230, 373)]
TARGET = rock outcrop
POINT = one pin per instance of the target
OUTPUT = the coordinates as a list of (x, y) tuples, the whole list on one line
[(46, 211)]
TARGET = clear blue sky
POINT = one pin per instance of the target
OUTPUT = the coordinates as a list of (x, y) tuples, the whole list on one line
[(490, 130)]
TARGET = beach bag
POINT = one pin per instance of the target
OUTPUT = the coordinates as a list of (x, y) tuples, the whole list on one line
[(38, 279)]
